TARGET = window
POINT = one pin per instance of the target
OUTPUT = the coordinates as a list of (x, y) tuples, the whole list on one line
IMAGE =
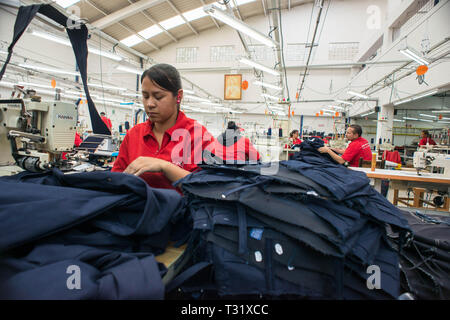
[(343, 50), (221, 53), (296, 51), (187, 55), (260, 52)]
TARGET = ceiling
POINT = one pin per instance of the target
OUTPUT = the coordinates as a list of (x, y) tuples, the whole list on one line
[(149, 25)]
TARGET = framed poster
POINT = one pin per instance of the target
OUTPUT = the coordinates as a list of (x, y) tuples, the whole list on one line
[(233, 88)]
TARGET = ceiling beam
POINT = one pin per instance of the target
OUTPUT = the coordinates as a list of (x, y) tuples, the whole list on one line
[(214, 20), (179, 13), (123, 13), (155, 22)]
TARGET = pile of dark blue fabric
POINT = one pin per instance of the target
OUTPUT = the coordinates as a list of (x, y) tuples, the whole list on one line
[(425, 262), (307, 228), (105, 227)]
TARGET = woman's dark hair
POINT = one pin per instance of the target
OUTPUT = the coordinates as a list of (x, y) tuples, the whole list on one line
[(165, 76), (426, 133), (232, 125), (293, 132)]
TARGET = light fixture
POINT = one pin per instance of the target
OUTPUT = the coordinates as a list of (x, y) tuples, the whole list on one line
[(259, 83), (131, 94), (366, 114), (358, 94), (188, 91), (344, 102), (419, 96), (440, 111), (414, 56), (94, 85), (398, 120), (6, 84), (444, 122), (427, 115), (195, 98), (38, 85), (130, 69), (239, 25), (328, 110), (270, 97), (212, 104), (49, 69), (425, 120), (408, 118), (66, 42), (259, 66)]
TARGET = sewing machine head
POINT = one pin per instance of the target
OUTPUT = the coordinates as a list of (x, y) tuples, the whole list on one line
[(35, 133), (425, 159)]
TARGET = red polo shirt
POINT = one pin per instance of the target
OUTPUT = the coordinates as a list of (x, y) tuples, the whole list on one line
[(424, 142), (358, 148), (107, 121), (182, 144), (242, 150)]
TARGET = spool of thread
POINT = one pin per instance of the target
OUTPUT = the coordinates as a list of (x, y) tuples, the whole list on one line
[(374, 161)]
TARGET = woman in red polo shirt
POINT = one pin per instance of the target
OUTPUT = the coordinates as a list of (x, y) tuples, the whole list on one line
[(169, 145)]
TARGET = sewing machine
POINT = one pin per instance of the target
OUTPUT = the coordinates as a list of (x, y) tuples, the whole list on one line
[(34, 134), (424, 159)]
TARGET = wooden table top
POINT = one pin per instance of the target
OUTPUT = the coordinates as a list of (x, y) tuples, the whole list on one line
[(404, 175)]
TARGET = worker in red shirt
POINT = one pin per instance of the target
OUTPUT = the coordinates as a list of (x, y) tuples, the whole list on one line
[(294, 139), (425, 135), (76, 143), (230, 146), (106, 120), (358, 148), (169, 145)]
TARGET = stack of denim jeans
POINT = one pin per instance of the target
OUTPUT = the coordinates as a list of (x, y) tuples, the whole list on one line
[(87, 235), (310, 228)]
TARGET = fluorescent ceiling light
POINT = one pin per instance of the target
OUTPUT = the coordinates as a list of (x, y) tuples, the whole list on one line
[(213, 104), (328, 110), (263, 84), (398, 120), (239, 25), (270, 97), (130, 69), (427, 115), (414, 56), (66, 3), (94, 85), (111, 100), (6, 84), (423, 95), (366, 114), (358, 94), (195, 14), (440, 111), (38, 85), (131, 94), (49, 69), (188, 91), (131, 40), (151, 31), (443, 122), (172, 22), (195, 98), (344, 102), (407, 118), (66, 42), (3, 52), (425, 120), (276, 108), (259, 66)]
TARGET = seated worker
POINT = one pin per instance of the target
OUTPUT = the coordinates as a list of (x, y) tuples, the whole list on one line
[(76, 143), (425, 135), (169, 145), (294, 139), (106, 120), (231, 146), (358, 148)]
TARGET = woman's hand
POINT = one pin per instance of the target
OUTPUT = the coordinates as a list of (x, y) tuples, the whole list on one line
[(145, 164)]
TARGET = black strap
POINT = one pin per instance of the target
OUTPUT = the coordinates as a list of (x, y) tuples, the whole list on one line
[(78, 38), (242, 226), (187, 274), (268, 264)]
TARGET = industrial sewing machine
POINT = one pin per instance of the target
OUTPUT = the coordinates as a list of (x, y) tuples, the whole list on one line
[(425, 159), (34, 134)]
